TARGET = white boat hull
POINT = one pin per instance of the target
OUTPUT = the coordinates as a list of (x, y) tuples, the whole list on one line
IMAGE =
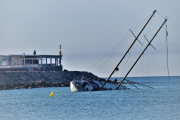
[(92, 85)]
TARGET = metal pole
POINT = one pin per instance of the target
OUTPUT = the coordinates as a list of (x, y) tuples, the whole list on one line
[(135, 37), (128, 50), (140, 55), (167, 54), (139, 84), (55, 61), (46, 61), (148, 42), (24, 59)]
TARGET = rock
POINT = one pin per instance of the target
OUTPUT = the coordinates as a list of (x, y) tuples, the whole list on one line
[(115, 80), (26, 86), (34, 79)]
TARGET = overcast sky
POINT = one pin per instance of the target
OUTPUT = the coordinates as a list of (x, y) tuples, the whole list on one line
[(88, 30)]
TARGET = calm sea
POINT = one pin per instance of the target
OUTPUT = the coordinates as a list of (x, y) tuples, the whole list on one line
[(161, 103)]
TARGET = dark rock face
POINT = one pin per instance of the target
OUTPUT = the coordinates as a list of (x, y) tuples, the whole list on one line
[(36, 79), (115, 80)]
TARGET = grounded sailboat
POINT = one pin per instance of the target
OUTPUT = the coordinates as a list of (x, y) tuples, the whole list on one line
[(93, 85)]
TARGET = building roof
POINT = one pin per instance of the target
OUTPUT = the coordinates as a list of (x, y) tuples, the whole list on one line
[(34, 56)]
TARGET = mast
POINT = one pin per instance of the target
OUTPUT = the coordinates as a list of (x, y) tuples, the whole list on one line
[(141, 54), (167, 53), (128, 50)]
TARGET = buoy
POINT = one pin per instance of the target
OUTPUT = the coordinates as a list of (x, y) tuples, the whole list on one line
[(51, 95)]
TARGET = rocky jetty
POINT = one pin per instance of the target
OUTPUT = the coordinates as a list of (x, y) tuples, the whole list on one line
[(36, 79)]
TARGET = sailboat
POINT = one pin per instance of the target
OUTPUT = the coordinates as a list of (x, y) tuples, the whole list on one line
[(93, 85)]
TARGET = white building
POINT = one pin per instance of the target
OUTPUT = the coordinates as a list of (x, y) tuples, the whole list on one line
[(38, 62)]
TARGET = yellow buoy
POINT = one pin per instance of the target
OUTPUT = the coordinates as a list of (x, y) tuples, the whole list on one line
[(51, 95)]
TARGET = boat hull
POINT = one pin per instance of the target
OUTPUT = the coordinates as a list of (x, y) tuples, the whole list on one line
[(92, 85)]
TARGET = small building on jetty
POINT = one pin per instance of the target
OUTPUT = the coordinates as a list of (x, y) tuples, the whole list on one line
[(31, 62)]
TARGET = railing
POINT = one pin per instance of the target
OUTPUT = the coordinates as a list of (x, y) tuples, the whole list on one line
[(29, 67)]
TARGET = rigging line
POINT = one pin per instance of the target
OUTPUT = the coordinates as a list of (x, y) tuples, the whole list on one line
[(151, 54), (126, 60), (148, 63), (135, 37), (126, 35), (167, 54), (130, 82), (139, 83), (134, 48), (139, 65), (165, 49), (153, 29), (156, 47), (138, 26), (125, 66), (124, 38), (139, 70), (150, 23), (140, 22), (148, 41), (109, 51), (107, 70), (115, 50), (141, 31), (104, 63), (135, 54), (160, 15), (140, 55), (141, 61)]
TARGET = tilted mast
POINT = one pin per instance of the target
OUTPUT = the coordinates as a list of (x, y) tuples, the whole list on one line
[(128, 50), (141, 55)]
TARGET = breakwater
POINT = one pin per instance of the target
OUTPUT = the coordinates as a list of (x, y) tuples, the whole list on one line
[(36, 79)]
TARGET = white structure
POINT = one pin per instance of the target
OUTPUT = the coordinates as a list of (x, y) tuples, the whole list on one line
[(23, 61)]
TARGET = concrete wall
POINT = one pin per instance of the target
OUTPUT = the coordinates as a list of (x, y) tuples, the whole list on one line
[(13, 69), (54, 68)]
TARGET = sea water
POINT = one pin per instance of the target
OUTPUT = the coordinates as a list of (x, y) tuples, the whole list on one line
[(161, 103)]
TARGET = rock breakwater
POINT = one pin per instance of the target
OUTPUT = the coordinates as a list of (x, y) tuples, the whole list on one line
[(36, 79)]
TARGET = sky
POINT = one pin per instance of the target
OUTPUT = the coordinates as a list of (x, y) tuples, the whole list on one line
[(90, 30)]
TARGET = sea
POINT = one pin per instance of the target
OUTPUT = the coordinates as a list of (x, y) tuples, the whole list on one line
[(161, 103)]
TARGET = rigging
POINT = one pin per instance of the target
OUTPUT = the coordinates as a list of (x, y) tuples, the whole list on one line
[(128, 49), (141, 54)]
